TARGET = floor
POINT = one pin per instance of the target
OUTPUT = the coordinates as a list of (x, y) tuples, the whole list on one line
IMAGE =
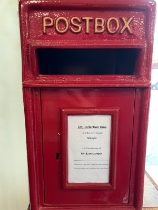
[(150, 208)]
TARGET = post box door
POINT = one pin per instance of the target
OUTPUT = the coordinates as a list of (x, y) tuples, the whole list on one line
[(53, 101)]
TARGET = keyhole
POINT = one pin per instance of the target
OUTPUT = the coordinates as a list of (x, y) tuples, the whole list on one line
[(57, 156)]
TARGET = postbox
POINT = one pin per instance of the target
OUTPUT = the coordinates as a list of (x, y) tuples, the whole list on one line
[(86, 86)]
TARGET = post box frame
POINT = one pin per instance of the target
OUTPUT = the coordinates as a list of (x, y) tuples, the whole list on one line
[(113, 112)]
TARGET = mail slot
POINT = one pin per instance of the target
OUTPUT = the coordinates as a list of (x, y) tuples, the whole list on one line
[(86, 70)]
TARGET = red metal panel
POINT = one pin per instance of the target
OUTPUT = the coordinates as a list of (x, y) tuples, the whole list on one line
[(55, 99), (36, 28), (141, 120), (30, 136)]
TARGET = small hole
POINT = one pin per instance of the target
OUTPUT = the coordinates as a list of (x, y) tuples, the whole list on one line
[(57, 156)]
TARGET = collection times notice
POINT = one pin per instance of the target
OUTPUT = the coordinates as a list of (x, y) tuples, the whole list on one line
[(88, 148)]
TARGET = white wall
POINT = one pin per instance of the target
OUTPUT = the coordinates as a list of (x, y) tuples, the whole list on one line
[(155, 49), (13, 164)]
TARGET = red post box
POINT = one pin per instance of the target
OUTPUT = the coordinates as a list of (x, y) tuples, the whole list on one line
[(86, 87)]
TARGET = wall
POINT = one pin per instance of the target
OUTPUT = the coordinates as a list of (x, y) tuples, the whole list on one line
[(13, 164), (155, 49)]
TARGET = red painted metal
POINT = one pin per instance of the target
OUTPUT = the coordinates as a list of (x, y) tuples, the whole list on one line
[(46, 95), (52, 101)]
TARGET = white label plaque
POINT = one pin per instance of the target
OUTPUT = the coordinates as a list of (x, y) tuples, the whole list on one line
[(88, 148)]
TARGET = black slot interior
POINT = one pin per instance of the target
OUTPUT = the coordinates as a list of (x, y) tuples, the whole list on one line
[(87, 61)]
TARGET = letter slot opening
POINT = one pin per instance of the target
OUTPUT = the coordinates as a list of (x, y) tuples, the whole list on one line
[(55, 61)]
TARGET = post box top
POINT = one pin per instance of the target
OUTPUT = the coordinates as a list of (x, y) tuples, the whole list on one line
[(89, 2), (122, 26)]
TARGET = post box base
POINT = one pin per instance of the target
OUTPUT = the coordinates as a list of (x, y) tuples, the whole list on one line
[(89, 208)]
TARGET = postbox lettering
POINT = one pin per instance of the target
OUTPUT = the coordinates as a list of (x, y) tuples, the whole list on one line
[(87, 20), (47, 22), (110, 20), (59, 30), (77, 26), (99, 25), (111, 25), (126, 26)]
